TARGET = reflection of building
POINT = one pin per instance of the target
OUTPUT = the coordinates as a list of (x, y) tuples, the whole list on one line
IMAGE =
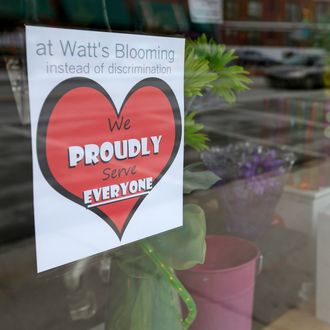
[(273, 23), (246, 22)]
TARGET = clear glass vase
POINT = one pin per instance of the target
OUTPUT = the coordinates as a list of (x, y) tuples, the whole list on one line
[(252, 181)]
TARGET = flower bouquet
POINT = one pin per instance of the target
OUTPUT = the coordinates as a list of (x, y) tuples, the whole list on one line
[(252, 179)]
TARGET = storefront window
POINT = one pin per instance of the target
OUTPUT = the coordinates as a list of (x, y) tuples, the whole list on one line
[(253, 37), (322, 11), (164, 165), (254, 9), (293, 12), (232, 10)]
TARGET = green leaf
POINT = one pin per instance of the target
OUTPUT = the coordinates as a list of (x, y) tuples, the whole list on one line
[(156, 306), (205, 57), (201, 180), (184, 247), (231, 79), (144, 302), (166, 311), (197, 75), (133, 262), (193, 135)]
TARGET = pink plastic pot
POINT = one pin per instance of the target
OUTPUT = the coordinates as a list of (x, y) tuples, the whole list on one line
[(223, 287)]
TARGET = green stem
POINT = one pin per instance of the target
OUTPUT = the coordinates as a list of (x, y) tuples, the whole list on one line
[(175, 283)]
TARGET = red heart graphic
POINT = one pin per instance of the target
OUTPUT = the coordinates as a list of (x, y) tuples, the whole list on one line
[(86, 148)]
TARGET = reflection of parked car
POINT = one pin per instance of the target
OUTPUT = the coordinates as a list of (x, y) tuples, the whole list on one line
[(254, 58), (304, 71)]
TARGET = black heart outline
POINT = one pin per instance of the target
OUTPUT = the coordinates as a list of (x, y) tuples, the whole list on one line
[(69, 84)]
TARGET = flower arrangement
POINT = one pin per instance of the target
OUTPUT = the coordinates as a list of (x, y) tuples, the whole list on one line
[(146, 291), (253, 177)]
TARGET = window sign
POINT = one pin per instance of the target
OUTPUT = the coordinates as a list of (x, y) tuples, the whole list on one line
[(106, 121), (206, 11)]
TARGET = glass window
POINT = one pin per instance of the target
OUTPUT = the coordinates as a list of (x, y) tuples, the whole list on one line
[(322, 11), (253, 249), (253, 37), (254, 9), (293, 11), (232, 10)]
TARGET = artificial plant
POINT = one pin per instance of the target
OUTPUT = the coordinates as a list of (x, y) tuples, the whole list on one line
[(146, 290)]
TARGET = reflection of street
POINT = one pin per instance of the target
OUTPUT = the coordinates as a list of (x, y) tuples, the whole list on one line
[(259, 90), (264, 34), (292, 118)]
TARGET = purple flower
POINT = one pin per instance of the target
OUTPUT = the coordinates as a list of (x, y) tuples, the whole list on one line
[(253, 177), (256, 164)]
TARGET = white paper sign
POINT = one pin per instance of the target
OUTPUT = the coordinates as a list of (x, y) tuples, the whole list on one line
[(107, 139), (206, 11)]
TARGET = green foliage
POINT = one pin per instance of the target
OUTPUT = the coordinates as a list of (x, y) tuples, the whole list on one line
[(196, 74), (198, 180), (208, 65), (140, 297), (193, 135), (232, 80), (170, 246)]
